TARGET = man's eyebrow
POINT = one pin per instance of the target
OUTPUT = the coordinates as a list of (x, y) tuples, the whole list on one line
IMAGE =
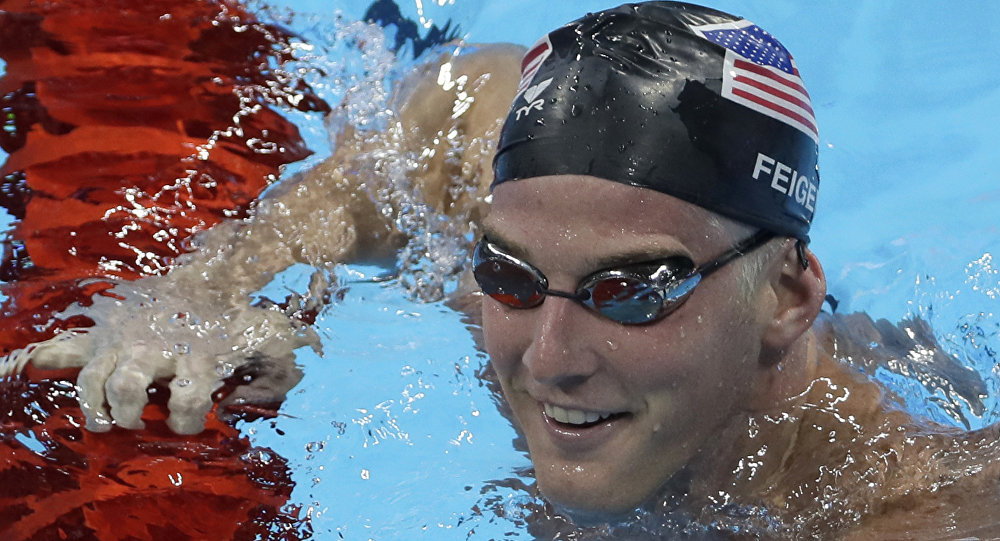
[(639, 254), (512, 248)]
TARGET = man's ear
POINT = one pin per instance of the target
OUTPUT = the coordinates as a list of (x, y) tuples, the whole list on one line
[(799, 293)]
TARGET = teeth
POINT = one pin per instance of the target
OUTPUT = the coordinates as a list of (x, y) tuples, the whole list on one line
[(575, 417)]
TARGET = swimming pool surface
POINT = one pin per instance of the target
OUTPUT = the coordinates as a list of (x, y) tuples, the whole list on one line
[(392, 434)]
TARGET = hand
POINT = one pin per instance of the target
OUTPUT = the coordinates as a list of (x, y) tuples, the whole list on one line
[(151, 333)]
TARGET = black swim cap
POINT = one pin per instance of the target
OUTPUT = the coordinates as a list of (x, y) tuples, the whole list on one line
[(681, 99)]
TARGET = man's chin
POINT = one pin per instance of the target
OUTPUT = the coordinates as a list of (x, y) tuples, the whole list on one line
[(589, 507)]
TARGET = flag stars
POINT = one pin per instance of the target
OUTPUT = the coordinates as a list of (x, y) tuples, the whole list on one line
[(754, 44)]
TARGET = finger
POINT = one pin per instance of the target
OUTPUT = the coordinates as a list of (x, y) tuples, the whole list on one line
[(68, 349), (191, 394), (90, 391), (127, 385), (14, 362)]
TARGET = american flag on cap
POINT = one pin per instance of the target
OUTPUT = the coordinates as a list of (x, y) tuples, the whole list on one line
[(760, 73), (532, 61)]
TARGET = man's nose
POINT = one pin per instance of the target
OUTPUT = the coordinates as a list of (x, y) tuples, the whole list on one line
[(560, 353)]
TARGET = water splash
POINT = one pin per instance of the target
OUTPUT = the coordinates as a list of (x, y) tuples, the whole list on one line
[(391, 172)]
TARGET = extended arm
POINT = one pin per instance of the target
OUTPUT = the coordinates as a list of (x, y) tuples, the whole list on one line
[(195, 325)]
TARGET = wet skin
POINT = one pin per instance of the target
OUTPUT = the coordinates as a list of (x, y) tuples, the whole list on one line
[(670, 386)]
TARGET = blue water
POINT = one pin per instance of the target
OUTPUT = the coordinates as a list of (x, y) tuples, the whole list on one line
[(392, 435)]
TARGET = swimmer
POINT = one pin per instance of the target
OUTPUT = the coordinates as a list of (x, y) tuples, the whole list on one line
[(651, 300), (651, 307)]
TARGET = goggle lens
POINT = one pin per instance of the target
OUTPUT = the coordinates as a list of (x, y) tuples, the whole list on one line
[(626, 300), (509, 283)]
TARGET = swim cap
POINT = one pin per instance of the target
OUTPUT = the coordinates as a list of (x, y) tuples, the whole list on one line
[(677, 98)]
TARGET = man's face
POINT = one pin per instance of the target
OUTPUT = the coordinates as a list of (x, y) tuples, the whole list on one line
[(669, 385)]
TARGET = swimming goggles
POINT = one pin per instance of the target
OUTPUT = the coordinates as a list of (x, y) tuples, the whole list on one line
[(631, 294)]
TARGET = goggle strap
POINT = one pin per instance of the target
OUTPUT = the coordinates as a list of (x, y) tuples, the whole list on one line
[(748, 245), (800, 247)]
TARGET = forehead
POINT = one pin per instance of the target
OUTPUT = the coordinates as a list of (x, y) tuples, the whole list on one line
[(579, 205)]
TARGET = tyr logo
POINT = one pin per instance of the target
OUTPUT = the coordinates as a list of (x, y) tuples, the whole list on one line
[(531, 96)]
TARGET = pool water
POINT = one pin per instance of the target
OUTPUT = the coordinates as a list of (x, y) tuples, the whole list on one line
[(394, 434)]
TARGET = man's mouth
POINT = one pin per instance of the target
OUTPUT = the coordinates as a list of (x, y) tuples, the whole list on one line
[(579, 418)]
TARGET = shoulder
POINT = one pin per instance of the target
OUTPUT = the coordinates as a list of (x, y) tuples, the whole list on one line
[(455, 68), (908, 348), (925, 474)]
